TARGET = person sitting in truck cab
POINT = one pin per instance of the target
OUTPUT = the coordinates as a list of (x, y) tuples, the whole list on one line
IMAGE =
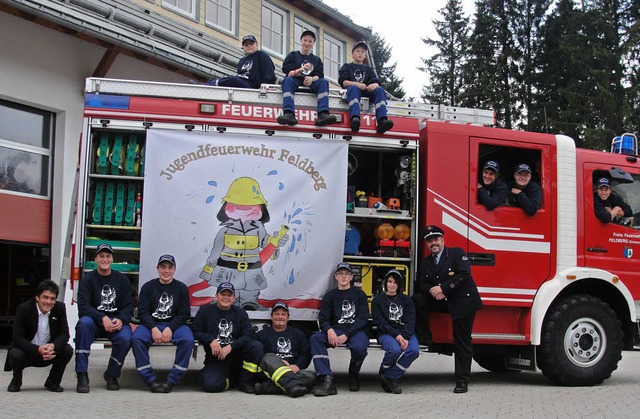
[(525, 192), (492, 192), (254, 69), (608, 206), (360, 79)]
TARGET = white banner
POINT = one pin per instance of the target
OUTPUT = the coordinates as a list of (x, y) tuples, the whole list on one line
[(264, 213)]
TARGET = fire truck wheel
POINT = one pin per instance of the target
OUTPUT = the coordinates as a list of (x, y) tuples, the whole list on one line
[(581, 341)]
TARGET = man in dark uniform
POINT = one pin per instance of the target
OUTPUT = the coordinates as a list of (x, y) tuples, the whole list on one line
[(287, 354), (444, 284), (493, 191), (40, 336), (608, 206)]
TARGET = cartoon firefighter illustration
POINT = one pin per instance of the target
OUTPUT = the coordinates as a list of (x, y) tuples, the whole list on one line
[(242, 245)]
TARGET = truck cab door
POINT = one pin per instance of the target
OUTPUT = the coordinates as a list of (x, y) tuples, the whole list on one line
[(613, 246), (511, 252)]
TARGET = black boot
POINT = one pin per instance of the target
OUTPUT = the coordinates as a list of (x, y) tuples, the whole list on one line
[(16, 382), (83, 382), (267, 387), (287, 118), (325, 118), (326, 387), (354, 375)]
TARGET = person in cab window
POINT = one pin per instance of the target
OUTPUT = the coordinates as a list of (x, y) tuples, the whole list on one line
[(493, 191), (608, 206), (525, 192)]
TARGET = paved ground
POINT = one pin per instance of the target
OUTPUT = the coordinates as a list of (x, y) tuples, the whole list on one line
[(427, 393)]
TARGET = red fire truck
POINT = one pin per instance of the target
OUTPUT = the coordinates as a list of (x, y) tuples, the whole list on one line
[(560, 287)]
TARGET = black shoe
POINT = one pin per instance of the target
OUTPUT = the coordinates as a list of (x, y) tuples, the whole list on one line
[(155, 387), (247, 388), (297, 391), (384, 382), (267, 387), (461, 388), (112, 382), (355, 124), (51, 386), (83, 382), (394, 386), (166, 387), (287, 118), (326, 387), (325, 118), (354, 382), (14, 385), (384, 125)]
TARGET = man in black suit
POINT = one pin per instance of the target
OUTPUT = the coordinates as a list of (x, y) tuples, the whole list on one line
[(444, 284), (40, 336)]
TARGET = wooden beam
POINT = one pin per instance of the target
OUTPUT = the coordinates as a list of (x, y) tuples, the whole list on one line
[(106, 62)]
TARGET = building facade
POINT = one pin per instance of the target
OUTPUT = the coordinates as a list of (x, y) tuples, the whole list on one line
[(50, 47)]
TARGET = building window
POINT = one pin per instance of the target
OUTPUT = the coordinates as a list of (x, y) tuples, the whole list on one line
[(184, 7), (333, 56), (26, 136), (222, 14), (299, 27), (274, 26)]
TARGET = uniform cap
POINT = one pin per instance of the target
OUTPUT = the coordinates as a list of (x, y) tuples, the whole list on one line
[(249, 38), (167, 258), (523, 167), (344, 265), (493, 165), (308, 32), (360, 44), (432, 231), (226, 286), (395, 273), (104, 247), (280, 304), (603, 181)]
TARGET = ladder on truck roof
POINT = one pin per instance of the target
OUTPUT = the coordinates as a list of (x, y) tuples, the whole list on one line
[(271, 94)]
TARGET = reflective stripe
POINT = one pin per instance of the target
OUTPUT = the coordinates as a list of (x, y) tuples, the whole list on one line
[(226, 384), (323, 95), (280, 372), (321, 357), (117, 362), (401, 367), (378, 105), (178, 367), (287, 94), (144, 367), (83, 351), (353, 102), (249, 366)]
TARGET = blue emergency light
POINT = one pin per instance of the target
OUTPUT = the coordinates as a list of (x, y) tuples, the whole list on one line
[(92, 100)]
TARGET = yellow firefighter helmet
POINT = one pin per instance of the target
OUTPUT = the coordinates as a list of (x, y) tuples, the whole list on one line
[(244, 191)]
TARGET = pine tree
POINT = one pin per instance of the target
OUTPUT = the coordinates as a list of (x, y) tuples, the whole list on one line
[(443, 68), (381, 54)]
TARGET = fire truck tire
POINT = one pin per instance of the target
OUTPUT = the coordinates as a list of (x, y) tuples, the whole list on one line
[(581, 341)]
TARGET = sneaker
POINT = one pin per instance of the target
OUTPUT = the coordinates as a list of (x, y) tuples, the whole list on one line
[(326, 387), (112, 382), (354, 382), (14, 385), (298, 391), (51, 386), (83, 382), (355, 124), (325, 118), (384, 125), (287, 118)]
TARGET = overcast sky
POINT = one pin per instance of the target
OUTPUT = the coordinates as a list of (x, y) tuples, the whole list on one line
[(403, 24)]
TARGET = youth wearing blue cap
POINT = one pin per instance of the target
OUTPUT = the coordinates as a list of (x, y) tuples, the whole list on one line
[(525, 192), (609, 206), (492, 191), (394, 315)]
